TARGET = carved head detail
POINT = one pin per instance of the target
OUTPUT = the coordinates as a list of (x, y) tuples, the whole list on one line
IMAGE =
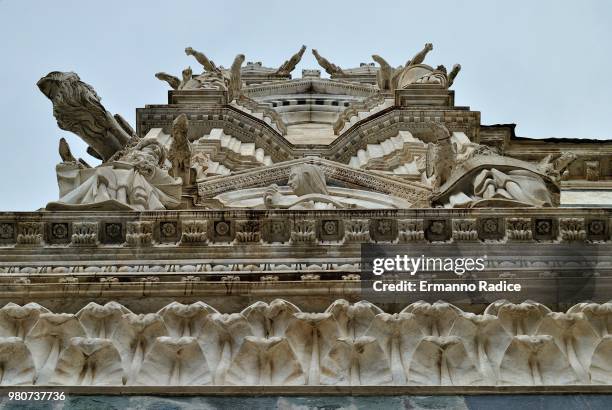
[(307, 179), (57, 82), (187, 74)]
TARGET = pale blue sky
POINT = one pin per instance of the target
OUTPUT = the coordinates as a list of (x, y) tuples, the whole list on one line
[(544, 65)]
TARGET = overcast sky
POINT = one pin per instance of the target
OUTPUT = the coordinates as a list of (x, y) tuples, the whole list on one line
[(544, 65)]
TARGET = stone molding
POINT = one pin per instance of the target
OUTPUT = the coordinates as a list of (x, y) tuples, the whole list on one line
[(358, 344), (153, 229), (343, 175), (297, 86)]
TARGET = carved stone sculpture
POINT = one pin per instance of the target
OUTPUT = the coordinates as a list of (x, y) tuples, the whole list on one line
[(77, 108), (201, 58), (101, 321), (235, 78), (174, 362), (185, 320), (386, 76), (398, 335), (329, 67), (17, 321), (16, 364), (265, 361), (311, 337), (481, 178), (136, 180), (88, 362), (535, 360), (48, 338), (307, 189), (442, 360), (64, 151), (179, 153), (485, 341), (135, 337), (453, 74), (223, 335), (212, 80), (288, 66), (420, 56), (575, 337), (355, 361), (275, 343)]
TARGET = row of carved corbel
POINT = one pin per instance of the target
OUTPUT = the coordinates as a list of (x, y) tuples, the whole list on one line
[(277, 344)]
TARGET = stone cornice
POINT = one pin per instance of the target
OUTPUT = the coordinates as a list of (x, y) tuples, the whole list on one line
[(302, 85)]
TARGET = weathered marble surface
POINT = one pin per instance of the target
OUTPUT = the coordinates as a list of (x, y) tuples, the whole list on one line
[(316, 402), (275, 343)]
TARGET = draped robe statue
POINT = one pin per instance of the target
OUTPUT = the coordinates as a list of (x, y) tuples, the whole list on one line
[(136, 181)]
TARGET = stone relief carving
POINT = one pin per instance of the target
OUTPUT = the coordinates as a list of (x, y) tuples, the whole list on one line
[(307, 189), (88, 362), (30, 233), (277, 344)]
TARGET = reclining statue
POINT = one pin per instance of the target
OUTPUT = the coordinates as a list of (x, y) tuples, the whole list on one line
[(137, 180), (482, 178)]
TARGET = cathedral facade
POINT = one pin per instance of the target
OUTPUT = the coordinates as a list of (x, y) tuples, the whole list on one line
[(224, 244)]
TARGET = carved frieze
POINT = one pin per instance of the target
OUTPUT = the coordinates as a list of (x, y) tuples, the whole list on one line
[(248, 231), (572, 229), (194, 232), (84, 234), (139, 233), (303, 232), (465, 229), (30, 233), (519, 229), (410, 230), (278, 344), (357, 230)]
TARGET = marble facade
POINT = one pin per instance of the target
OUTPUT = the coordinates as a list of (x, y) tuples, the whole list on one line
[(219, 242)]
